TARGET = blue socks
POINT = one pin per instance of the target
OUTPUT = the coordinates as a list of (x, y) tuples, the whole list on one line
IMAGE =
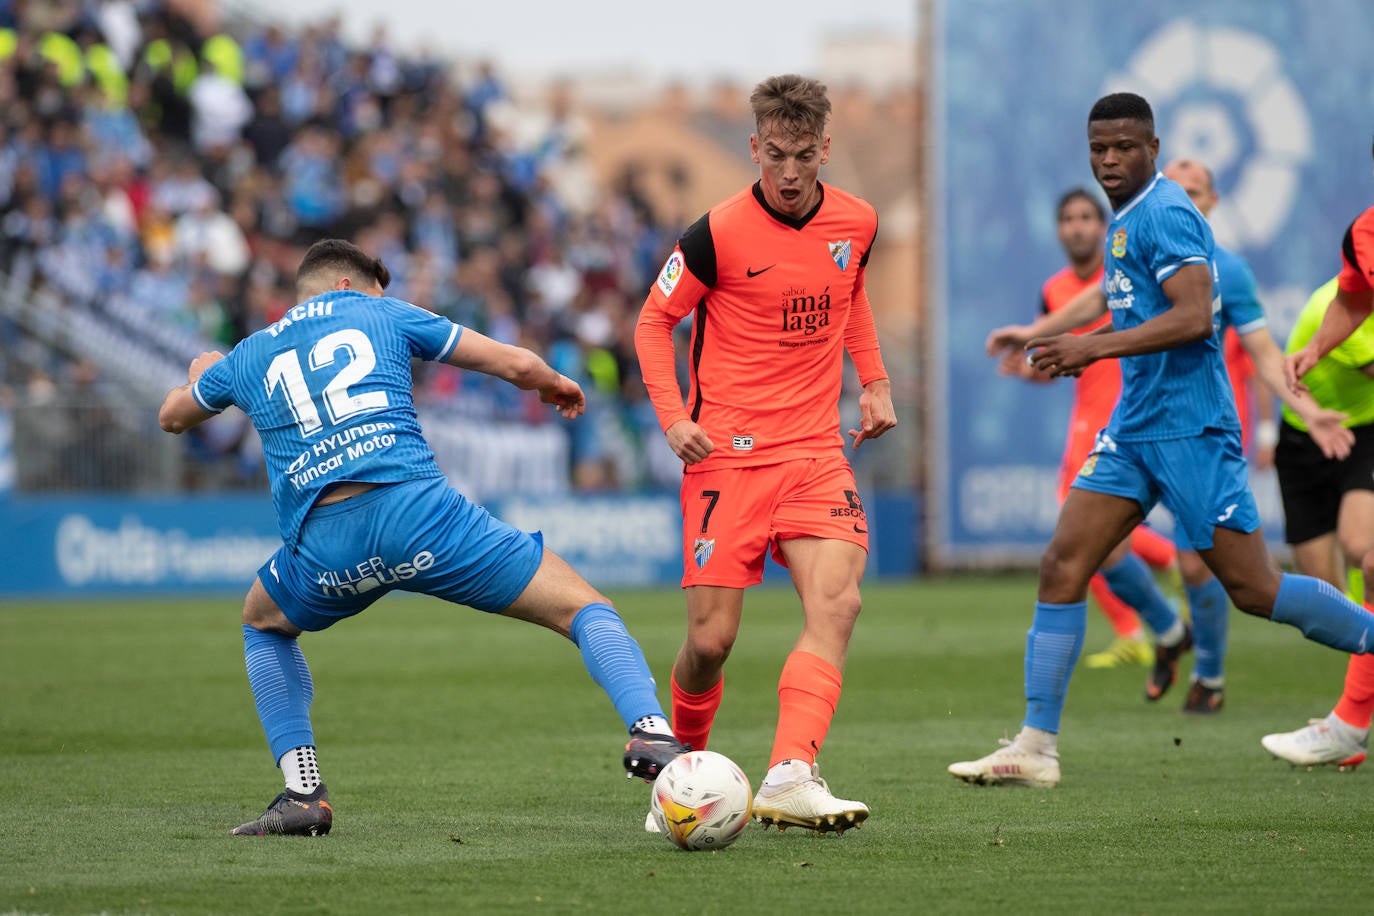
[(1131, 581), (616, 663), (1052, 647), (1323, 614), (1211, 621), (282, 689)]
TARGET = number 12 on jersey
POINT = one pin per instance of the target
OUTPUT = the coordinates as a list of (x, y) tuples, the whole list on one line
[(285, 372)]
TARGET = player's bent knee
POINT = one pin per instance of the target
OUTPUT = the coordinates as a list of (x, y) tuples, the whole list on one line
[(1254, 598), (270, 620), (1063, 579), (710, 650), (261, 613), (1357, 552), (1192, 569)]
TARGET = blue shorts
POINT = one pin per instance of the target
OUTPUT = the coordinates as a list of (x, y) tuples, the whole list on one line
[(417, 536), (1203, 480)]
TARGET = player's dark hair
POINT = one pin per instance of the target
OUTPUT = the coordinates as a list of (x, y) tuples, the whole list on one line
[(1123, 106), (1081, 194), (338, 258), (796, 105)]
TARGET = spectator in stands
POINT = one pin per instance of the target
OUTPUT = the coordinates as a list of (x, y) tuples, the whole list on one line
[(311, 182), (220, 109), (207, 238), (297, 134)]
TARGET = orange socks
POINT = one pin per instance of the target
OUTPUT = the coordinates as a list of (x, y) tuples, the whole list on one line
[(1158, 552), (1154, 548), (1357, 701), (693, 713), (808, 692), (1119, 614)]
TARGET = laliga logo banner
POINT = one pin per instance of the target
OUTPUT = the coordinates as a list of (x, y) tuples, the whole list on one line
[(1247, 89), (1216, 87)]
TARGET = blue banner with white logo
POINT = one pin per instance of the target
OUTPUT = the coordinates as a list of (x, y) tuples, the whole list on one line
[(1274, 97), (99, 545)]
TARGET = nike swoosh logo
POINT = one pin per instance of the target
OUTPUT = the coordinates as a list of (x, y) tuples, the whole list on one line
[(858, 530), (755, 273)]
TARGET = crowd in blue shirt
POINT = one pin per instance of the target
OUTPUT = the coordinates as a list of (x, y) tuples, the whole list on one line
[(165, 169)]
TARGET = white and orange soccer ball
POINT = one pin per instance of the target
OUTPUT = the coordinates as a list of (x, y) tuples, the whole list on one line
[(702, 801)]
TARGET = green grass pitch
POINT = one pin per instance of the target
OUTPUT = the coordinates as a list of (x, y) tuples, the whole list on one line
[(474, 767)]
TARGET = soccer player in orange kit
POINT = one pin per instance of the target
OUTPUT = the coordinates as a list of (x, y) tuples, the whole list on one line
[(775, 279)]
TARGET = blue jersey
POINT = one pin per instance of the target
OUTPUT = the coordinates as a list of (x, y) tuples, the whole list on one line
[(328, 388), (1240, 305), (1179, 392)]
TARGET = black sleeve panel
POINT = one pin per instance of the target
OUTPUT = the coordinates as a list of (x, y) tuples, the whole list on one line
[(1348, 248), (699, 251), (871, 242)]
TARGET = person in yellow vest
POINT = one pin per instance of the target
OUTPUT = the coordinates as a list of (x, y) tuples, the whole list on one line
[(102, 66), (63, 51), (223, 54)]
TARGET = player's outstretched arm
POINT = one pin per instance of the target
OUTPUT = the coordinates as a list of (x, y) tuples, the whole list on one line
[(1324, 426), (180, 410), (521, 367), (1346, 313), (1084, 308), (1189, 290)]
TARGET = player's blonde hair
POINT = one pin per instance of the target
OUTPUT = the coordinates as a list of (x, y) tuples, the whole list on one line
[(796, 105)]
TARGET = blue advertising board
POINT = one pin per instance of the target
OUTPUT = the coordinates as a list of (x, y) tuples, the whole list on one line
[(100, 545), (1273, 97)]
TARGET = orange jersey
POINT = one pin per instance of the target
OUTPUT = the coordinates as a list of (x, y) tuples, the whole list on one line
[(1357, 254), (777, 301), (1096, 391), (1241, 369)]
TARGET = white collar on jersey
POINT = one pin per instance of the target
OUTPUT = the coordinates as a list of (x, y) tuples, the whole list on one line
[(1140, 195)]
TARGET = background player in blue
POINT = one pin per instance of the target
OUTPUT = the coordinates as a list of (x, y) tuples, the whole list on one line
[(1174, 436), (363, 508), (1240, 309)]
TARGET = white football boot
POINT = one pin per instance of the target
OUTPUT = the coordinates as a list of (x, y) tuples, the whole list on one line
[(1013, 764), (1323, 741), (794, 795)]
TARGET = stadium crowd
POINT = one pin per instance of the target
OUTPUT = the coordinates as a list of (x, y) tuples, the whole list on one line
[(164, 170)]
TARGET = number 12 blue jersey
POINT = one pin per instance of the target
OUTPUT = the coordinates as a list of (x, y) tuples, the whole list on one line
[(1179, 392), (328, 388)]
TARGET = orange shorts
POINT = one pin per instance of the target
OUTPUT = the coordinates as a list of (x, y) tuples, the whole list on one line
[(1082, 438), (731, 516)]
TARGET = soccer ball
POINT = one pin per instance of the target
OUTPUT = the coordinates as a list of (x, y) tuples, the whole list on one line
[(702, 801)]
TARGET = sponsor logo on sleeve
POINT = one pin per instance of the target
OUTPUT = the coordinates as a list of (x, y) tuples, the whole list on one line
[(671, 273)]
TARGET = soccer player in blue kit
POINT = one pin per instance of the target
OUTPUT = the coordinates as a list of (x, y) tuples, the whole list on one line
[(1240, 309), (363, 509), (1174, 436)]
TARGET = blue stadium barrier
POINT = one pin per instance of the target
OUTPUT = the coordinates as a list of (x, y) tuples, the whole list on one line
[(107, 545)]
